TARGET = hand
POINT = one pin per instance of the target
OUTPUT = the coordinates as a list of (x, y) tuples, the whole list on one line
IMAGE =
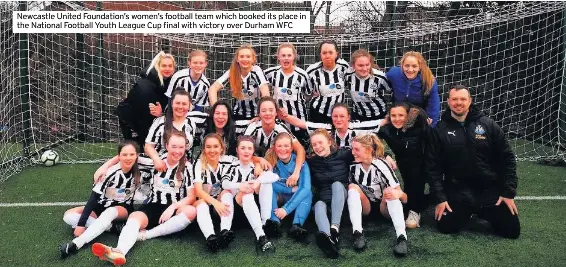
[(391, 193), (280, 213), (253, 120), (282, 113), (292, 180), (246, 188), (79, 230), (159, 165), (391, 162), (166, 215), (99, 174), (439, 210), (510, 204), (221, 208), (429, 121), (265, 165), (155, 110), (255, 185)]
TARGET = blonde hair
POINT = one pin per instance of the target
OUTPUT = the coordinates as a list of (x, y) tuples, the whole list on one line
[(371, 141), (326, 134), (196, 53), (288, 45), (426, 73), (270, 154), (157, 61), (203, 158), (236, 72), (363, 53)]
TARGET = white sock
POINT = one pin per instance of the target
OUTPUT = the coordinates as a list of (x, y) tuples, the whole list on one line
[(265, 201), (174, 224), (252, 213), (128, 236), (226, 221), (204, 220), (72, 219), (97, 227), (355, 209), (395, 209)]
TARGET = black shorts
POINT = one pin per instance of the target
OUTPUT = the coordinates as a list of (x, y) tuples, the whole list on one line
[(99, 208), (153, 212)]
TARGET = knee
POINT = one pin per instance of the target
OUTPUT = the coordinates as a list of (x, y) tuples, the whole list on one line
[(137, 215), (189, 211), (248, 198), (353, 187), (447, 227), (319, 205), (511, 230), (337, 186)]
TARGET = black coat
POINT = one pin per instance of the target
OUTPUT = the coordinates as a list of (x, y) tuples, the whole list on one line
[(471, 161), (134, 110), (408, 144), (325, 171)]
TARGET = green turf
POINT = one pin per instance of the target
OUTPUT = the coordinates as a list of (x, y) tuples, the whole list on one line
[(30, 235)]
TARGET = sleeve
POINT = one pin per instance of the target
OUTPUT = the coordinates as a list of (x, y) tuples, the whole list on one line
[(241, 126), (303, 192), (260, 75), (312, 126), (203, 99), (281, 127), (173, 83), (390, 175), (250, 129), (434, 169), (269, 75), (197, 172), (227, 178), (433, 106), (90, 204), (224, 78), (145, 163), (152, 136), (188, 173), (508, 165)]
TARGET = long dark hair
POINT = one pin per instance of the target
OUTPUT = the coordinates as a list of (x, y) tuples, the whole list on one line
[(228, 129), (168, 124), (135, 168)]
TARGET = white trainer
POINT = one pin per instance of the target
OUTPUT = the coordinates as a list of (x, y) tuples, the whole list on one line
[(413, 220)]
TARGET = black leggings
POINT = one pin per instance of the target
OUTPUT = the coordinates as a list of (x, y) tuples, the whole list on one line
[(414, 181), (504, 224)]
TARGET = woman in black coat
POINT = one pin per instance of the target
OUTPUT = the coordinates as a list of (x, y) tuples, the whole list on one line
[(406, 134), (146, 99)]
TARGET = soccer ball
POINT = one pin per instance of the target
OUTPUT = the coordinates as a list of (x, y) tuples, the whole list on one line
[(49, 158)]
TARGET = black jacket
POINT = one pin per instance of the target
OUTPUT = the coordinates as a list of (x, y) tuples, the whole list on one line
[(325, 171), (134, 110), (409, 143), (472, 162)]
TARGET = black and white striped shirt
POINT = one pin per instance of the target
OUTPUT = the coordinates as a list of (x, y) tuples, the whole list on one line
[(261, 138), (117, 187), (165, 187), (198, 90), (212, 176), (355, 128), (199, 119), (329, 85), (247, 107), (367, 93), (237, 173), (289, 90), (374, 180), (155, 135)]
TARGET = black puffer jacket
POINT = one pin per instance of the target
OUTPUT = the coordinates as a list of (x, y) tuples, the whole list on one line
[(471, 161), (408, 143), (325, 171), (134, 110)]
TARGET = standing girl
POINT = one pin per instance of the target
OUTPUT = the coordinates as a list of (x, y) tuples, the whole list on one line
[(413, 82), (366, 85), (247, 83)]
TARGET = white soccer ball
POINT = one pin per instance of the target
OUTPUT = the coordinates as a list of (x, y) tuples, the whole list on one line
[(49, 158)]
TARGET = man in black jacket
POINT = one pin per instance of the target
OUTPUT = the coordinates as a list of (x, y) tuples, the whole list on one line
[(472, 169)]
